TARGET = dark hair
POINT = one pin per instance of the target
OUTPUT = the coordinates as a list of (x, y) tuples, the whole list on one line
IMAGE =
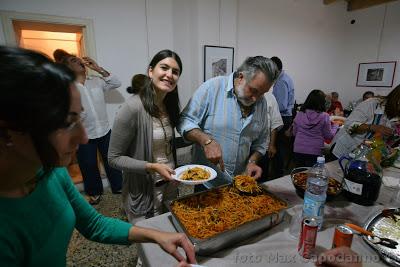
[(367, 93), (335, 94), (35, 98), (252, 65), (392, 107), (315, 101), (61, 56), (137, 83), (278, 62), (148, 95)]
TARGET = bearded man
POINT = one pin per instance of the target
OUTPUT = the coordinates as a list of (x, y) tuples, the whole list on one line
[(226, 121)]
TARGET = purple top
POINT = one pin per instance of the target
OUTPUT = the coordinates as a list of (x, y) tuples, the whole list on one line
[(311, 128)]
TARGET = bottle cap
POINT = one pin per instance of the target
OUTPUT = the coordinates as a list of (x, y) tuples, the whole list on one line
[(321, 160)]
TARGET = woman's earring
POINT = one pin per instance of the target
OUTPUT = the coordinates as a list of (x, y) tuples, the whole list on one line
[(6, 137)]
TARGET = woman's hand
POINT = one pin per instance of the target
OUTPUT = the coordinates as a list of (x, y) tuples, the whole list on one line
[(164, 170), (91, 64), (170, 242)]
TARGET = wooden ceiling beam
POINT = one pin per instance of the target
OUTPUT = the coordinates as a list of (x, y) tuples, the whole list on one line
[(360, 4)]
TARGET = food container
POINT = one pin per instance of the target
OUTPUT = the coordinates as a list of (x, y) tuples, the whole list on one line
[(299, 179), (385, 227), (232, 236)]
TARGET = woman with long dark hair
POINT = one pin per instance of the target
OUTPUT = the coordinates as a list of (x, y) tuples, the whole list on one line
[(142, 138), (311, 127), (40, 129)]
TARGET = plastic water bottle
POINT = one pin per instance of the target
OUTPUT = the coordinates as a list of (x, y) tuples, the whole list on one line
[(315, 195)]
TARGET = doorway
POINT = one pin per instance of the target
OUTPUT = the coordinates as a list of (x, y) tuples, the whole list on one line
[(45, 33)]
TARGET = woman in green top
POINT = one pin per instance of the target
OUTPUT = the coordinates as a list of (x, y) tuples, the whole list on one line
[(40, 129)]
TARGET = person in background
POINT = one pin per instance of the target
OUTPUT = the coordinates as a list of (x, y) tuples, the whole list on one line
[(371, 116), (284, 94), (137, 83), (311, 127), (367, 94), (41, 128), (336, 107), (92, 89), (274, 122), (142, 139), (225, 119)]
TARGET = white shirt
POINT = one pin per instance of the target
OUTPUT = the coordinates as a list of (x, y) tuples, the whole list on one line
[(274, 118), (162, 150), (365, 112), (94, 104)]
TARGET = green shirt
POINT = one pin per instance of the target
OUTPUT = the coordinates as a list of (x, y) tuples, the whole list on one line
[(35, 230)]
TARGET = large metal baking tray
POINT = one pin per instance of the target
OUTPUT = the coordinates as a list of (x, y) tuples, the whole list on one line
[(233, 236), (374, 224)]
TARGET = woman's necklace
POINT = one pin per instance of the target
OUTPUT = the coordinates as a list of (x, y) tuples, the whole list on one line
[(167, 145)]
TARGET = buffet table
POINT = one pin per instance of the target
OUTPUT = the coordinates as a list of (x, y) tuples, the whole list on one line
[(275, 247)]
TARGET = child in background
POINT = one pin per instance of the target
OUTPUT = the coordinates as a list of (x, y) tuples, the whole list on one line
[(311, 127)]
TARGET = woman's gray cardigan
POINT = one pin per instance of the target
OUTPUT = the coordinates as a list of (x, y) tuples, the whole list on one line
[(130, 149)]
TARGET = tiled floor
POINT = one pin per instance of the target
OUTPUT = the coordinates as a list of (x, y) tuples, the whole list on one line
[(83, 252)]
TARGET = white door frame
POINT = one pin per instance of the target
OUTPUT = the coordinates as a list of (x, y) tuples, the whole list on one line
[(7, 18)]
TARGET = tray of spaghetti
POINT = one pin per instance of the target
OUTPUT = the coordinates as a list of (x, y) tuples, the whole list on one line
[(223, 216)]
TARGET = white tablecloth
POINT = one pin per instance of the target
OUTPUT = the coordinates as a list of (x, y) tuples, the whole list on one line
[(274, 247)]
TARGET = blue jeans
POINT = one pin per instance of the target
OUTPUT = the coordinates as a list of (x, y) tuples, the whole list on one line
[(87, 159)]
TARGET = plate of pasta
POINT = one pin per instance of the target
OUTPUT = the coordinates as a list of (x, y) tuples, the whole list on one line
[(194, 174)]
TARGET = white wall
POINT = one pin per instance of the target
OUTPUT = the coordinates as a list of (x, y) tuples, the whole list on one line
[(317, 44)]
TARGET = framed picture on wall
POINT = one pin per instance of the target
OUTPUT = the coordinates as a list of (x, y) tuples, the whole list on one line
[(376, 74), (218, 61)]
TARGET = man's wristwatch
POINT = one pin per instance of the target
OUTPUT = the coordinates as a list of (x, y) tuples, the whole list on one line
[(209, 141)]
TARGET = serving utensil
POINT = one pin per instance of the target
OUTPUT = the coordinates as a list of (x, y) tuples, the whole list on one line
[(387, 242), (255, 188)]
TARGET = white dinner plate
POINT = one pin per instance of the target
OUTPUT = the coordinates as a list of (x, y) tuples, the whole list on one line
[(179, 171)]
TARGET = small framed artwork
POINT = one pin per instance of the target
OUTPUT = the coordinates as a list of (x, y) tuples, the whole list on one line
[(376, 74), (218, 61)]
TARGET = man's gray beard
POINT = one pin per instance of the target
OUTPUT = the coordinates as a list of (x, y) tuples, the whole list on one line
[(245, 103)]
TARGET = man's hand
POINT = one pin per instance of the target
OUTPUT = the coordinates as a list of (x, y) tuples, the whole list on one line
[(271, 151), (385, 131), (253, 170), (213, 153)]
